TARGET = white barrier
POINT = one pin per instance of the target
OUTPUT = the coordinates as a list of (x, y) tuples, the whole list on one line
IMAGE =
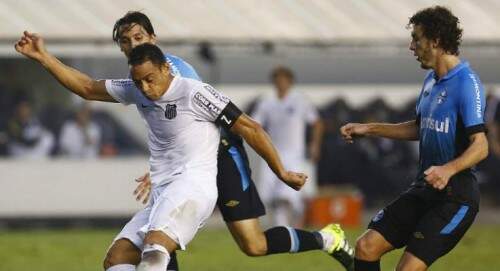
[(56, 188)]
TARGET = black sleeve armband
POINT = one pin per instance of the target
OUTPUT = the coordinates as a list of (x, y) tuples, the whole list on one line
[(228, 116)]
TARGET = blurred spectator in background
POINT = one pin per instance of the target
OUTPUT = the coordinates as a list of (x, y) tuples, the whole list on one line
[(80, 137), (285, 116), (492, 116), (489, 168), (386, 163), (27, 137)]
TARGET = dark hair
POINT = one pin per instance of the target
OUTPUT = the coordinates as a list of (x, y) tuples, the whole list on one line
[(132, 17), (146, 52), (282, 70), (438, 23)]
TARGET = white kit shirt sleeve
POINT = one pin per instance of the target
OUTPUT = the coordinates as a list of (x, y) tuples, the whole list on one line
[(122, 90), (208, 103)]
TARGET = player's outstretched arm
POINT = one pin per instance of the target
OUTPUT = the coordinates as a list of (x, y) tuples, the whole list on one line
[(259, 140), (438, 176), (403, 131), (32, 46)]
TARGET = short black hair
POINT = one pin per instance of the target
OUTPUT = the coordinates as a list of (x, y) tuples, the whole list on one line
[(132, 17), (438, 23), (146, 52), (282, 70)]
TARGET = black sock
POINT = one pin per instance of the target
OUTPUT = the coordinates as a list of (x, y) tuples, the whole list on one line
[(285, 239), (172, 264), (360, 265)]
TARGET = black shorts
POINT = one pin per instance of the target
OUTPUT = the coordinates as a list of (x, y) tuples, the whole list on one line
[(428, 225), (238, 197)]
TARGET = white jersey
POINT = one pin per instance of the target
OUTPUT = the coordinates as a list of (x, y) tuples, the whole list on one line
[(182, 135), (285, 121)]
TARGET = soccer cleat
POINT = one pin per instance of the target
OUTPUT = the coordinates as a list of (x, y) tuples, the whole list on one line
[(337, 246)]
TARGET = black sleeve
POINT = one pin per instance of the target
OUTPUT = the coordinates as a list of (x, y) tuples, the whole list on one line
[(475, 129), (228, 116)]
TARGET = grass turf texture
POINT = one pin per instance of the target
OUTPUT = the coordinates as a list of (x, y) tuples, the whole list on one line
[(82, 250)]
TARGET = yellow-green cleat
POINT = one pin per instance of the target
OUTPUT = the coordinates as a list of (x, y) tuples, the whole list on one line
[(337, 246)]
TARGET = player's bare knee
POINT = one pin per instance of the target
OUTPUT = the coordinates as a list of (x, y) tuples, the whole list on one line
[(254, 248), (366, 249), (162, 239), (121, 252)]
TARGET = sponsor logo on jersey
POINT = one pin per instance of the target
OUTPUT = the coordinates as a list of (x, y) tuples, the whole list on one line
[(232, 203), (203, 102), (478, 96), (436, 125), (170, 111), (216, 94), (122, 83)]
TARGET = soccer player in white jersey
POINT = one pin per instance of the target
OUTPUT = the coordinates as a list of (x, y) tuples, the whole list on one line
[(181, 116), (284, 116), (238, 199)]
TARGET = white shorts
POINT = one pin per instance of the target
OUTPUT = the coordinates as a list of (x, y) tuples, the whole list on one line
[(178, 209)]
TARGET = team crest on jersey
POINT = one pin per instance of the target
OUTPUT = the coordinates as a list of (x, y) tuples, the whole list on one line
[(170, 111), (442, 97)]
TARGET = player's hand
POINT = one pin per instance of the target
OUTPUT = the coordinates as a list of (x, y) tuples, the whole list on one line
[(31, 45), (143, 189), (294, 180), (438, 176), (351, 130)]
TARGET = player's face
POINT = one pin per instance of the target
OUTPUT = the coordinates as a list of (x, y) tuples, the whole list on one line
[(132, 36), (282, 82), (422, 48), (151, 79)]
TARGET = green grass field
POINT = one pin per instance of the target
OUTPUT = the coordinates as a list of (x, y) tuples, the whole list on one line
[(83, 250)]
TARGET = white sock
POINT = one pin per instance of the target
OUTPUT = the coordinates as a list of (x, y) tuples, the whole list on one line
[(154, 258), (122, 267)]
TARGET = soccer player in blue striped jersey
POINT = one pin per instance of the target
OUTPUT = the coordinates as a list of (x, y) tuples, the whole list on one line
[(431, 217), (239, 201)]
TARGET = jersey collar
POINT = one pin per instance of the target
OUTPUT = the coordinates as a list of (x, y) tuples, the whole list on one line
[(463, 64)]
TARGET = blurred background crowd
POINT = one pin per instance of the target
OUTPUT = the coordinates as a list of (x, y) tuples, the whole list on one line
[(350, 58), (379, 168)]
